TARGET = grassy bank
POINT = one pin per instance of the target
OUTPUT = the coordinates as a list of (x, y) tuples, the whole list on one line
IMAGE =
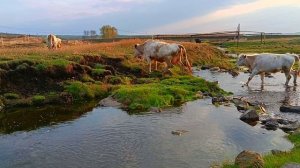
[(167, 92), (278, 160), (37, 76)]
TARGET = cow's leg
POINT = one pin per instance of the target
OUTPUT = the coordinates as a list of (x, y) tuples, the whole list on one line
[(253, 73), (150, 64), (295, 75), (169, 65), (288, 77), (262, 75), (155, 65)]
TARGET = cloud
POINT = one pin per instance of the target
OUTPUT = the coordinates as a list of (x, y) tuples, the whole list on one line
[(229, 12), (59, 10)]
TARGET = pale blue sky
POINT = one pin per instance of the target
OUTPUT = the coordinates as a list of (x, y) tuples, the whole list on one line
[(148, 16)]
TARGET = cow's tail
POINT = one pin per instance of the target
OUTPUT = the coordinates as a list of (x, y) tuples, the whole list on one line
[(183, 56), (297, 59), (49, 40)]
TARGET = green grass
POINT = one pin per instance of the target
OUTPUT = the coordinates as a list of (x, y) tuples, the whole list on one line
[(38, 99), (278, 160), (11, 96), (82, 91), (272, 161), (284, 45), (168, 92)]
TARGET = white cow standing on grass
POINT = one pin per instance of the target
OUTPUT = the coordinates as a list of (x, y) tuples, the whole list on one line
[(272, 63), (53, 42), (171, 54)]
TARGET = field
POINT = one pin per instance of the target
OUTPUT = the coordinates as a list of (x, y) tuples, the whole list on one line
[(86, 71), (32, 75), (279, 45)]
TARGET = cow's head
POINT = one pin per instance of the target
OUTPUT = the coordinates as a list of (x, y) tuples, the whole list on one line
[(138, 51), (242, 60)]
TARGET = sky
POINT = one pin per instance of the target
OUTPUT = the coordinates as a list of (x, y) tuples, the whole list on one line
[(130, 17)]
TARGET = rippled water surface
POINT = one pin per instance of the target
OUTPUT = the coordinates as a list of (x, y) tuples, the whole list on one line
[(109, 137), (273, 93)]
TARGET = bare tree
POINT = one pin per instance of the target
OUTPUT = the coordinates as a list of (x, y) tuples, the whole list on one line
[(93, 33)]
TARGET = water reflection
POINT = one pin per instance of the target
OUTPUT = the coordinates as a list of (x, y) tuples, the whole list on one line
[(109, 137), (25, 119)]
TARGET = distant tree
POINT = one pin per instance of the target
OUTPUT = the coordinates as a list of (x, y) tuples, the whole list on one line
[(86, 33), (93, 33), (108, 31)]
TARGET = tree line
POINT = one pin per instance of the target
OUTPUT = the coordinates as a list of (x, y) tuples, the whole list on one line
[(106, 32)]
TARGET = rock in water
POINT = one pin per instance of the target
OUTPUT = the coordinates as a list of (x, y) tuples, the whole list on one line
[(110, 102), (179, 132), (155, 109), (291, 109), (249, 116), (215, 69), (290, 127), (272, 124), (249, 159)]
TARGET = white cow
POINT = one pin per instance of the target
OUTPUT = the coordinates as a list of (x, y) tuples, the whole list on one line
[(272, 63), (159, 51), (53, 42)]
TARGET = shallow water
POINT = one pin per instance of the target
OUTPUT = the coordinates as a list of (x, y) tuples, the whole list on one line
[(273, 93), (109, 137)]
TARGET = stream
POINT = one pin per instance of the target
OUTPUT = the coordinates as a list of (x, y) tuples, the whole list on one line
[(84, 136)]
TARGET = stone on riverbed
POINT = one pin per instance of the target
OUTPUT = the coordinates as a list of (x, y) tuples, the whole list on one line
[(110, 102), (155, 109), (179, 132), (249, 116), (215, 69), (272, 124), (220, 100), (233, 73), (290, 127), (249, 159), (291, 109)]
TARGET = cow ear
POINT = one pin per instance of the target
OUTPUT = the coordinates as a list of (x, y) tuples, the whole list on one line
[(136, 45), (244, 56)]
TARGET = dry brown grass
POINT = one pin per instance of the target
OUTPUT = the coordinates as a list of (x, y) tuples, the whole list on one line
[(197, 53)]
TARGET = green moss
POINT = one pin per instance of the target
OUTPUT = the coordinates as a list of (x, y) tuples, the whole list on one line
[(38, 99), (11, 96), (115, 80), (168, 92), (98, 72), (81, 91), (99, 66), (86, 78), (40, 67)]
